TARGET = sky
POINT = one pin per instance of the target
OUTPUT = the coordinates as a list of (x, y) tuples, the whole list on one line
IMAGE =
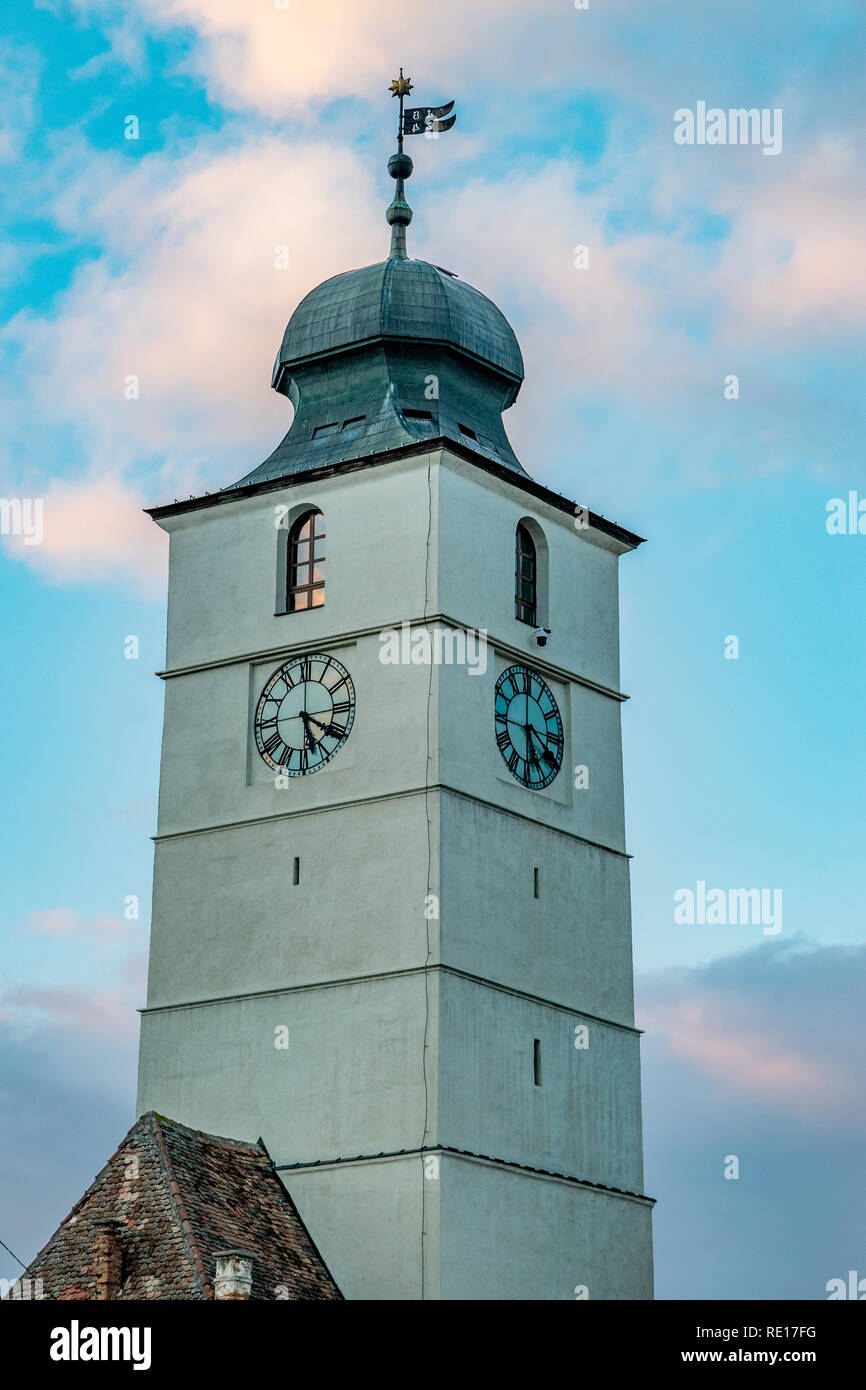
[(261, 125)]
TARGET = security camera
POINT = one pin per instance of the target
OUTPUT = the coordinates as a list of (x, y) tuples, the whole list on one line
[(541, 635)]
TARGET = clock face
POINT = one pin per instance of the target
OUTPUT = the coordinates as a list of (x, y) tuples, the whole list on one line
[(528, 727), (304, 714)]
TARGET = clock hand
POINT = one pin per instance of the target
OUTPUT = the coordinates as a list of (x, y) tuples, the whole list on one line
[(307, 731), (326, 728), (526, 731), (538, 739)]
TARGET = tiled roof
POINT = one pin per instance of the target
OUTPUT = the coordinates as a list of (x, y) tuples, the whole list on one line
[(180, 1198), (393, 354), (401, 299)]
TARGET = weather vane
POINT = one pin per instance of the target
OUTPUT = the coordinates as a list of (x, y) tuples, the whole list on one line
[(417, 120)]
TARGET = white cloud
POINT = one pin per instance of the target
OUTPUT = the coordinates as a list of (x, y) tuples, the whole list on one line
[(185, 297), (19, 72), (276, 58)]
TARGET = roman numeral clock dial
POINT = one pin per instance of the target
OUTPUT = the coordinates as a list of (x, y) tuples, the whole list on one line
[(528, 727), (304, 714)]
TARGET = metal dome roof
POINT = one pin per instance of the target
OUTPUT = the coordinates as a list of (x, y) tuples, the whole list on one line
[(400, 298)]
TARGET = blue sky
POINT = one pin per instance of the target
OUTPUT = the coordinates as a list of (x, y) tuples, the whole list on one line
[(154, 257)]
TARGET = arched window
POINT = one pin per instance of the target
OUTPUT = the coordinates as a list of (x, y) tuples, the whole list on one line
[(305, 570), (525, 578)]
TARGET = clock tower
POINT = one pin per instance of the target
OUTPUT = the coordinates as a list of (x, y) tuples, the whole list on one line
[(391, 922)]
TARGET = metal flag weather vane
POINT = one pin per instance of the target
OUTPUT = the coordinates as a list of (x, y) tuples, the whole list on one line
[(417, 120), (426, 120)]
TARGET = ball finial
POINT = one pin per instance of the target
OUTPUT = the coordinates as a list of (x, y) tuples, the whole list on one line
[(400, 166)]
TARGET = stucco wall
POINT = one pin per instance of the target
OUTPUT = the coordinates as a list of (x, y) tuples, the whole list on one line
[(384, 1055), (351, 1080)]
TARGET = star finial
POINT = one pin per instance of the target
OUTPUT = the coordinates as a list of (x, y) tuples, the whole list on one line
[(401, 86)]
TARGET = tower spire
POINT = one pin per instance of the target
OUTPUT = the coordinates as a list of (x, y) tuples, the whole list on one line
[(420, 120), (399, 214)]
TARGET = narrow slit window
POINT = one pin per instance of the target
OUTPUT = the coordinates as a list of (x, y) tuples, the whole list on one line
[(535, 893), (305, 572), (296, 871), (536, 1061), (525, 578)]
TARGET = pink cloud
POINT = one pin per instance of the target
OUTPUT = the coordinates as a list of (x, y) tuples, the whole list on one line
[(94, 529), (740, 1052), (68, 923), (108, 1014), (775, 1026), (110, 950), (133, 973), (56, 921), (796, 252)]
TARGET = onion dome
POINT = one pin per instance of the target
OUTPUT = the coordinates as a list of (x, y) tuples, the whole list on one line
[(396, 353)]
